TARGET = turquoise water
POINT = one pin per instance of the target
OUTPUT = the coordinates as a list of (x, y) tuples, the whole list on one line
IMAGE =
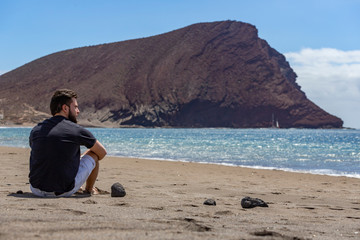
[(332, 152)]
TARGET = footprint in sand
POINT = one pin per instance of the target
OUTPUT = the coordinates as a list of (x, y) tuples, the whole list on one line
[(120, 204), (266, 233), (76, 212), (194, 225), (336, 208), (224, 213), (156, 208), (89, 201), (309, 208), (191, 205)]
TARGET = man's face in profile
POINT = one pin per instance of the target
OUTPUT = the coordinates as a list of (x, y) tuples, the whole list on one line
[(73, 110)]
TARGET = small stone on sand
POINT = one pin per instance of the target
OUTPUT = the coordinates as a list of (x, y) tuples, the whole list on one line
[(210, 202), (248, 202), (117, 190)]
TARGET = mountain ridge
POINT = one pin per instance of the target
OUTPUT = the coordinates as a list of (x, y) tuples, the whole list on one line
[(218, 74)]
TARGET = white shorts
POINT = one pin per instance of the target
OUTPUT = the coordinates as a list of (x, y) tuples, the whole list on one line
[(87, 165)]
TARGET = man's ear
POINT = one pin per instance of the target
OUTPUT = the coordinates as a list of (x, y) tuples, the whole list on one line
[(65, 108)]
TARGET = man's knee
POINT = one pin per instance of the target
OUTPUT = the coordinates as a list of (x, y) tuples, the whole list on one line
[(93, 155)]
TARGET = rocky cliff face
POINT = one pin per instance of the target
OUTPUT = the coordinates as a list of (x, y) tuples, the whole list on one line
[(218, 74)]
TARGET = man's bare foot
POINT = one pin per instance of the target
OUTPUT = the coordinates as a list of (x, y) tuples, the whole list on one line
[(95, 191)]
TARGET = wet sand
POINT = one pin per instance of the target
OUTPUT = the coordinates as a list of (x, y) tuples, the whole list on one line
[(165, 201)]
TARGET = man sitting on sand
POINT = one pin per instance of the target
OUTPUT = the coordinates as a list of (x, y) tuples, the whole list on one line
[(56, 168)]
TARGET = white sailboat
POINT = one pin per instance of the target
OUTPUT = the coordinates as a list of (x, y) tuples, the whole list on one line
[(274, 124)]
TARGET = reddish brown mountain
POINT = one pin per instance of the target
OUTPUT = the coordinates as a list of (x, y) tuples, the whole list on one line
[(218, 74)]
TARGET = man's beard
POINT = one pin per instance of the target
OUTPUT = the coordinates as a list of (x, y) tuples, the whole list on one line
[(72, 117)]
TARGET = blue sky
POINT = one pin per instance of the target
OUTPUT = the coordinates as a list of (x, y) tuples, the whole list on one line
[(320, 38)]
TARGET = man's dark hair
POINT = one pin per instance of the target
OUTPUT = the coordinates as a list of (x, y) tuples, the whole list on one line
[(61, 97)]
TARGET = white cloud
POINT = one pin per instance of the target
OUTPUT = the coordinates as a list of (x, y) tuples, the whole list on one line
[(331, 79)]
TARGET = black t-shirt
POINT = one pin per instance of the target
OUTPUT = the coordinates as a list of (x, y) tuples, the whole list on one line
[(55, 153)]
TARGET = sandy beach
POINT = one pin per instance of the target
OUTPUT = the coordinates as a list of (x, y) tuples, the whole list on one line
[(165, 201)]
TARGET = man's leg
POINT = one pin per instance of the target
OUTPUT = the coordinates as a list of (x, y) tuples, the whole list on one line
[(90, 182), (88, 163)]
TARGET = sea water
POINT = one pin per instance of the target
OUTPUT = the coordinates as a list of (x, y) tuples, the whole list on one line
[(320, 151)]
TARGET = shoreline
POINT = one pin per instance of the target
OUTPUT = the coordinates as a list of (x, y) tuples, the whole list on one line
[(165, 201), (357, 176)]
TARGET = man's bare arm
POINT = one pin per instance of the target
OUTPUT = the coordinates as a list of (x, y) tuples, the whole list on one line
[(99, 150)]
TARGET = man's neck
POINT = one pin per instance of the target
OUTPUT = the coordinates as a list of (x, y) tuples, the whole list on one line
[(61, 114)]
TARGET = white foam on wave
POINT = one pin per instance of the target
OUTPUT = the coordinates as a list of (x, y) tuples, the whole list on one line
[(325, 172)]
